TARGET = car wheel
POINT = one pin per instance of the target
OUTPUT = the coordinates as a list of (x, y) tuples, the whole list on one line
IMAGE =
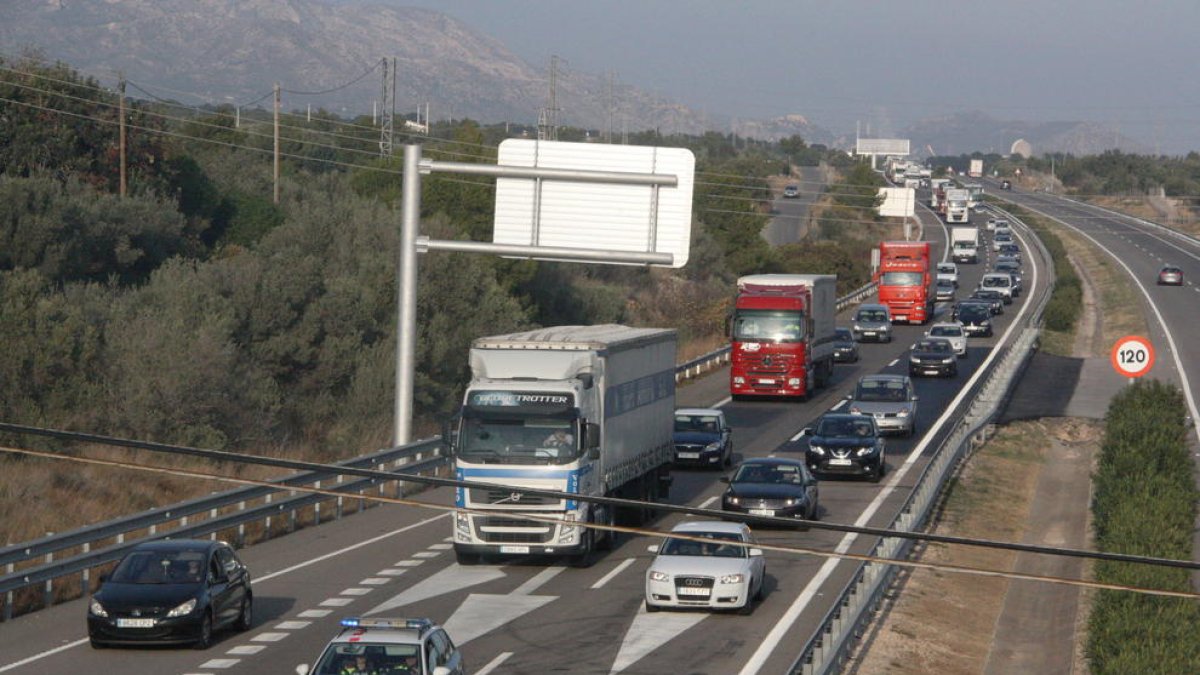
[(758, 595), (652, 608), (205, 640), (729, 457), (748, 608), (246, 617)]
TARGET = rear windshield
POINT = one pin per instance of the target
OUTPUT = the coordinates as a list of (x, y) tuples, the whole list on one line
[(881, 391)]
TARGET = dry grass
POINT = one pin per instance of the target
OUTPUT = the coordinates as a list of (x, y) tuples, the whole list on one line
[(1119, 301)]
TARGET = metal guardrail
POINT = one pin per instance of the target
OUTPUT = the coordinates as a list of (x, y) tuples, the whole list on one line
[(828, 649), (247, 505)]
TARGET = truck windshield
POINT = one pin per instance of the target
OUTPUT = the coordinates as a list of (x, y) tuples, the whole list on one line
[(901, 279), (519, 440), (768, 325)]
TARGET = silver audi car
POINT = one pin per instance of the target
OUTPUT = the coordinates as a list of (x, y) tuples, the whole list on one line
[(890, 399)]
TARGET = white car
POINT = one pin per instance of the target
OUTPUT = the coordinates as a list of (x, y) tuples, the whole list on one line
[(1001, 238), (947, 270), (999, 281), (715, 568), (952, 331)]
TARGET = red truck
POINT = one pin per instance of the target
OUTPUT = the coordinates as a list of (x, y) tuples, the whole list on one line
[(904, 279), (782, 333)]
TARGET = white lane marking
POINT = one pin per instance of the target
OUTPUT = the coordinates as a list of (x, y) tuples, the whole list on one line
[(336, 602), (292, 625), (269, 637), (612, 575), (722, 403), (409, 563), (356, 591), (374, 581), (707, 502), (42, 655), (651, 631), (482, 613), (894, 361), (839, 405), (220, 663), (246, 650), (453, 578), (315, 613), (798, 436), (426, 554), (441, 547), (494, 663), (540, 579), (390, 572), (780, 629)]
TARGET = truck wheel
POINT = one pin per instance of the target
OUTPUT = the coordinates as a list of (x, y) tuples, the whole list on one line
[(465, 559), (584, 558)]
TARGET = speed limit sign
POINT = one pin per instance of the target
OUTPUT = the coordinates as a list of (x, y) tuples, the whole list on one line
[(1133, 356)]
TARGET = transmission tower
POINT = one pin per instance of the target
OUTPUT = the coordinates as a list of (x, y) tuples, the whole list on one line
[(389, 108), (548, 116)]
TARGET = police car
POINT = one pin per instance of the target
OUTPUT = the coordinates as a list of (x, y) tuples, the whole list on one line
[(379, 646)]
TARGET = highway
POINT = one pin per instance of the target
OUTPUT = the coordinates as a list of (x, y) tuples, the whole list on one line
[(539, 616)]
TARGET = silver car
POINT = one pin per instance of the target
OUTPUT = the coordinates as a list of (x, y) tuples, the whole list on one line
[(890, 399), (872, 322), (715, 567), (952, 331)]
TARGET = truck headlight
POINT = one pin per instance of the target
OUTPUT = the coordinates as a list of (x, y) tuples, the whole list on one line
[(794, 382), (462, 522), (655, 575), (731, 579), (738, 379)]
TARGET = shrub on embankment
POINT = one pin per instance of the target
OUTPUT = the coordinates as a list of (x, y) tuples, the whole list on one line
[(1066, 302), (1144, 503)]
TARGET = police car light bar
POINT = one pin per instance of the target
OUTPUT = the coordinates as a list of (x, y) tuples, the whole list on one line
[(359, 622)]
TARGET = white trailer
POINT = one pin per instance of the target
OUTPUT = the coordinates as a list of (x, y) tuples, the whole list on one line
[(575, 409)]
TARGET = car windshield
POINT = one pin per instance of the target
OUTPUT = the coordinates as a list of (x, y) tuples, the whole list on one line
[(709, 424), (881, 391), (845, 427), (845, 335), (719, 545), (945, 331), (997, 281), (973, 312), (160, 567), (871, 315), (780, 474), (359, 657), (947, 269), (939, 346), (945, 283)]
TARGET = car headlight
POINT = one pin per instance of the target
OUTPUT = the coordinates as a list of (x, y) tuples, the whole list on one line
[(857, 328), (903, 412), (863, 452), (733, 500), (713, 447), (96, 608), (914, 360), (816, 449), (183, 609), (855, 410), (655, 575), (948, 360), (731, 579), (791, 502)]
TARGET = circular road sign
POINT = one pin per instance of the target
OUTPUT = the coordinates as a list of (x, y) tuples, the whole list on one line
[(1133, 356)]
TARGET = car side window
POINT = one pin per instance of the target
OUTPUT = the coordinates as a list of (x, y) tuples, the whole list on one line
[(227, 561), (442, 644), (214, 569)]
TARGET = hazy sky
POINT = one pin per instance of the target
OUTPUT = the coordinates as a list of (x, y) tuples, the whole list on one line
[(1127, 63)]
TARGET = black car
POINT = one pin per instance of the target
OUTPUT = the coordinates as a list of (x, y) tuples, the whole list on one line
[(845, 347), (772, 486), (975, 317), (173, 591), (842, 443), (1005, 185), (993, 298), (702, 437), (933, 356)]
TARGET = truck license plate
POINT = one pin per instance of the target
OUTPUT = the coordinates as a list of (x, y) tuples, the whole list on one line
[(766, 381), (688, 455), (514, 549), (838, 461), (135, 623), (762, 512), (693, 591)]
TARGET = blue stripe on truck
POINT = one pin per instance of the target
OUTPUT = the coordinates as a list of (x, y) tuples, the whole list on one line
[(635, 394)]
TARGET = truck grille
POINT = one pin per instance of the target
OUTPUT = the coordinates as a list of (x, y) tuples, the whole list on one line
[(509, 496), (768, 365), (493, 529)]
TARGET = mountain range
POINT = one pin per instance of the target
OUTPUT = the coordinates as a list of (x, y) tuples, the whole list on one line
[(328, 53)]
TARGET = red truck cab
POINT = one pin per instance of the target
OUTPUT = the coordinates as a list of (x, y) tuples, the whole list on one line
[(904, 279), (783, 334)]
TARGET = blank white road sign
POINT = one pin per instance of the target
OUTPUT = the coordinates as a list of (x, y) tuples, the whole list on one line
[(596, 216)]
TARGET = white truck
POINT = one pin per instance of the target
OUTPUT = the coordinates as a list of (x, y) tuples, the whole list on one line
[(975, 170), (974, 195), (964, 244), (957, 210), (587, 410)]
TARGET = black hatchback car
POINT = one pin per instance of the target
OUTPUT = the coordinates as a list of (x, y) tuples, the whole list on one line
[(933, 356), (772, 486), (174, 591), (842, 443), (845, 347), (975, 317)]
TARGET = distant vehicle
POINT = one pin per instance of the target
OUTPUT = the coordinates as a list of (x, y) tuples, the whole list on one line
[(944, 290), (772, 486), (791, 191), (388, 645), (1170, 275), (958, 208), (172, 591), (1012, 250), (890, 399), (975, 317), (994, 223), (845, 347), (1005, 185), (1013, 269), (999, 281), (702, 438), (872, 322), (999, 239), (964, 244), (947, 270), (992, 297), (904, 280), (842, 443), (721, 571), (952, 331), (933, 356)]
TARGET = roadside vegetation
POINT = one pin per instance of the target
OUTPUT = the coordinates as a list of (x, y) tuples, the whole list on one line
[(1066, 301), (1144, 504)]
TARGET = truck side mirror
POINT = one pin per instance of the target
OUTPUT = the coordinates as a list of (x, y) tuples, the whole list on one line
[(591, 436), (450, 434)]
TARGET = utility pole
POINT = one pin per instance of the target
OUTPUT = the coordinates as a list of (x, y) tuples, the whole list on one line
[(548, 118), (276, 171), (389, 109), (610, 106), (121, 112)]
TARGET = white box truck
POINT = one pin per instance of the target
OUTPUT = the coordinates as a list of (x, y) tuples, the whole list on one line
[(957, 210), (964, 244), (587, 410)]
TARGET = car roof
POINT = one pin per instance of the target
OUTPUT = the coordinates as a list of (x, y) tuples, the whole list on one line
[(946, 324), (699, 411), (689, 526), (773, 461), (179, 545), (883, 378), (928, 339)]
